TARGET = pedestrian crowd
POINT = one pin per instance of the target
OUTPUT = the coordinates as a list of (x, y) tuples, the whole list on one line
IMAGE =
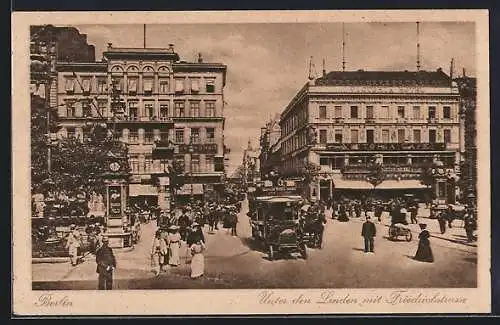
[(184, 228)]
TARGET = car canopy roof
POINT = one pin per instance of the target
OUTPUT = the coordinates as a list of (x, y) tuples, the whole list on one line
[(279, 199)]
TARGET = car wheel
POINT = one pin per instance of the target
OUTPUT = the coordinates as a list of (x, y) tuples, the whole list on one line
[(303, 252)]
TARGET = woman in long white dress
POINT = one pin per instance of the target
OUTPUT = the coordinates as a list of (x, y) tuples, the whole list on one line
[(158, 252), (174, 243), (197, 247)]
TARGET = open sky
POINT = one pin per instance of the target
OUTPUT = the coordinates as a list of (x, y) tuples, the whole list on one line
[(268, 63)]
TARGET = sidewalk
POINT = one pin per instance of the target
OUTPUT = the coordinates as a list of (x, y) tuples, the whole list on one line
[(136, 264), (131, 264), (456, 234)]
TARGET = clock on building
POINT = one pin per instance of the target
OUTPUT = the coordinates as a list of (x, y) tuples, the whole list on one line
[(114, 166)]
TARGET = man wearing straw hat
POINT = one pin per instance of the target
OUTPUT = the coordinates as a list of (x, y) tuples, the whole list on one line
[(106, 263)]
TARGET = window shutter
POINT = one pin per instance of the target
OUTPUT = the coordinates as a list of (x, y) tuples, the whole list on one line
[(70, 85), (61, 111), (148, 84), (78, 110), (86, 85), (195, 85), (132, 85), (179, 85)]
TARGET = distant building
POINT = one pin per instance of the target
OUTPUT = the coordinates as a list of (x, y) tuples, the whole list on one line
[(251, 165), (270, 147), (347, 122)]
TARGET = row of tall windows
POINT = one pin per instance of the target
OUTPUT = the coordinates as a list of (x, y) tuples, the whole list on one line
[(195, 135), (146, 165), (99, 85), (385, 136), (163, 111), (384, 112)]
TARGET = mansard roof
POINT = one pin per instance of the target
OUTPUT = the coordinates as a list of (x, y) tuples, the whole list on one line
[(384, 78)]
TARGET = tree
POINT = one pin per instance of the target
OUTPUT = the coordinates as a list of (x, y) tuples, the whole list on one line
[(426, 176), (78, 165), (376, 175), (309, 175), (177, 176), (310, 171), (40, 131)]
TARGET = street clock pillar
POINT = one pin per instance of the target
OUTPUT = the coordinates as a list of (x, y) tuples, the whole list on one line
[(117, 220)]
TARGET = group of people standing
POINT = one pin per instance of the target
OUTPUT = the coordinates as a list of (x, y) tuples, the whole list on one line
[(445, 219), (166, 249)]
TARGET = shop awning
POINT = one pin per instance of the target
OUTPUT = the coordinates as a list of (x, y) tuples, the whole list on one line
[(352, 184), (402, 184), (191, 189), (142, 190)]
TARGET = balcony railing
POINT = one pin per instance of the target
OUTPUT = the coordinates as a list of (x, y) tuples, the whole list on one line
[(143, 119), (385, 146)]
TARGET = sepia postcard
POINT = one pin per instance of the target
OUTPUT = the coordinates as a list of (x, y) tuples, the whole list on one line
[(251, 162)]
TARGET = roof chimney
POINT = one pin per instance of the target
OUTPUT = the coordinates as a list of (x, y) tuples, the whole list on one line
[(463, 72), (171, 47), (200, 59), (324, 70)]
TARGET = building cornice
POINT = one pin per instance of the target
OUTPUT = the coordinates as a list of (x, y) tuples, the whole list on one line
[(302, 92), (141, 54), (81, 66)]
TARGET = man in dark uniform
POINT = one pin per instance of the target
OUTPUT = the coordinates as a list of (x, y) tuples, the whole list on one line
[(470, 225), (442, 221), (368, 232), (378, 211), (183, 225), (106, 263)]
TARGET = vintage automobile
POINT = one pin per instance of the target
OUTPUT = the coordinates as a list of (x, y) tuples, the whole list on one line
[(275, 223)]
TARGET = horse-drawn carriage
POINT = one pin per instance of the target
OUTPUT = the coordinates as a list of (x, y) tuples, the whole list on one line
[(312, 224), (399, 225)]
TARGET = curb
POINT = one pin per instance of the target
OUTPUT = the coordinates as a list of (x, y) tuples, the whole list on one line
[(39, 260)]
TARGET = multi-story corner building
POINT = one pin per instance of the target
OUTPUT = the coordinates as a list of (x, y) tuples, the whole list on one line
[(270, 147), (165, 103), (345, 122)]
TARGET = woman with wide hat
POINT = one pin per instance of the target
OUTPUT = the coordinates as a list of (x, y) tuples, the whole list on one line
[(174, 244), (424, 251)]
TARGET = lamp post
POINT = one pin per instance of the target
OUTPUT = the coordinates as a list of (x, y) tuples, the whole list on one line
[(191, 150)]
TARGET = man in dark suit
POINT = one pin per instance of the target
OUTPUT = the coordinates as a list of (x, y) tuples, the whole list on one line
[(106, 263), (368, 232)]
